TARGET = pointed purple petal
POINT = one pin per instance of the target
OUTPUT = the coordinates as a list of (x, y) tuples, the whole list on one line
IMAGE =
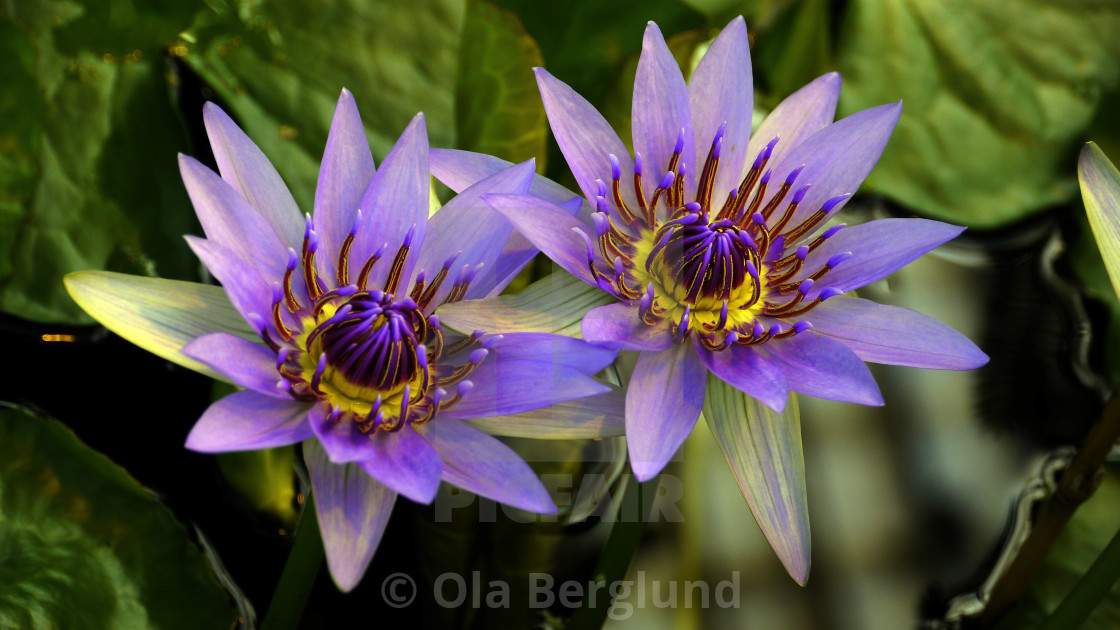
[(894, 335), (247, 364), (618, 326), (743, 368), (764, 452), (660, 109), (406, 463), (799, 116), (246, 421), (246, 289), (838, 158), (248, 171), (879, 248), (395, 201), (341, 438), (459, 170), (584, 136), (481, 464), (343, 178), (822, 367), (549, 228), (592, 417), (467, 224), (720, 91), (525, 371), (230, 221), (353, 509), (663, 403)]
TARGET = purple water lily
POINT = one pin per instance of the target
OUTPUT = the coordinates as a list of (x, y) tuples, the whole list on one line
[(716, 244), (345, 351)]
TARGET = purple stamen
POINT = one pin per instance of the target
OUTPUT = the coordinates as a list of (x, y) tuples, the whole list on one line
[(837, 259), (800, 194), (616, 170), (793, 175), (831, 203)]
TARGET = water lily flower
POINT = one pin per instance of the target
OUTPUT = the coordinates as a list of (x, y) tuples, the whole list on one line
[(1100, 189), (714, 243), (329, 325)]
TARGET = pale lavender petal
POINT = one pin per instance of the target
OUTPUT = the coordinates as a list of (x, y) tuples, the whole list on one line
[(343, 178), (663, 402), (459, 170), (837, 158), (660, 109), (247, 364), (481, 464), (584, 136), (799, 116), (743, 368), (247, 421), (230, 221), (468, 228), (549, 228), (553, 304), (395, 202), (406, 463), (353, 509), (823, 367), (618, 326), (721, 92), (764, 452), (249, 172), (246, 289), (894, 335), (525, 371), (341, 438), (592, 417), (878, 249)]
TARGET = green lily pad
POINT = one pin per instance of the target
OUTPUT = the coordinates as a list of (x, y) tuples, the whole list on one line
[(84, 546), (997, 97), (280, 66), (88, 138), (498, 108)]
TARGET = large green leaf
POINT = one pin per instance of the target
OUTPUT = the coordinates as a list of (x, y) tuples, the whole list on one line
[(88, 139), (84, 546), (280, 66), (497, 107), (997, 96), (585, 42)]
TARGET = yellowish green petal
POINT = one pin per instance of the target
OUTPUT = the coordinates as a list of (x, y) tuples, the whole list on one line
[(763, 449), (159, 315), (1100, 187), (555, 304)]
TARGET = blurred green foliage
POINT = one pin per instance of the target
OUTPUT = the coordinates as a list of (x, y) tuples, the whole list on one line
[(1092, 526), (997, 98), (84, 546)]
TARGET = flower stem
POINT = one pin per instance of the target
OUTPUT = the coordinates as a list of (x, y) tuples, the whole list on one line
[(622, 544), (1078, 483), (300, 571), (1088, 591)]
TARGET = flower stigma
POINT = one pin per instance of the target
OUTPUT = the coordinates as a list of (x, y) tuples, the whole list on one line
[(730, 272), (368, 353)]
